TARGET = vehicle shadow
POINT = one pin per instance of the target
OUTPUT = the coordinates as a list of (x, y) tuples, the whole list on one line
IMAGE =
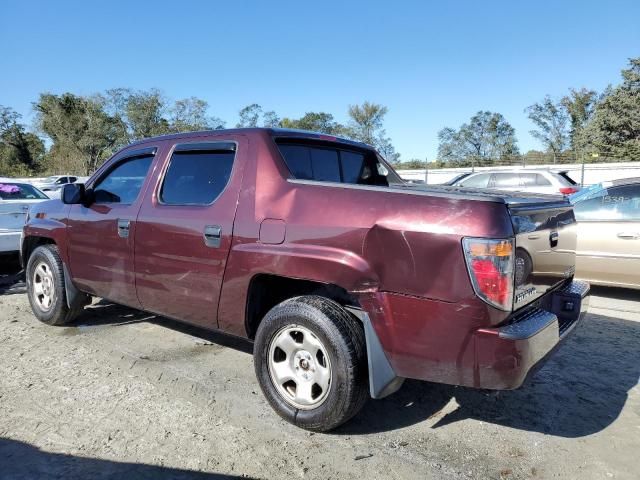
[(580, 391), (615, 293), (21, 460), (105, 313), (11, 275)]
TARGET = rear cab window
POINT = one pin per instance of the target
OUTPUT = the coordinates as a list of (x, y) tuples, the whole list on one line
[(335, 163)]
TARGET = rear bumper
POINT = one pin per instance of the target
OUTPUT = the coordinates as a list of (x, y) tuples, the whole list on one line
[(507, 354), (441, 342)]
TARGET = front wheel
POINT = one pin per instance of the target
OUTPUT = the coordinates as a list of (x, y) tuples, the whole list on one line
[(310, 360), (46, 289)]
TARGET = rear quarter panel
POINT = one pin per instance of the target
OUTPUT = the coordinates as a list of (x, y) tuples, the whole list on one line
[(364, 239)]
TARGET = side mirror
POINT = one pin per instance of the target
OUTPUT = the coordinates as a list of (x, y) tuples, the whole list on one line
[(74, 194)]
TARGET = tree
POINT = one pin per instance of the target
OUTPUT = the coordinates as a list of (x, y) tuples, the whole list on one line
[(366, 125), (314, 122), (78, 125), (486, 138), (145, 114), (270, 119), (250, 116), (614, 128), (366, 121), (579, 105), (551, 118), (21, 152), (190, 114)]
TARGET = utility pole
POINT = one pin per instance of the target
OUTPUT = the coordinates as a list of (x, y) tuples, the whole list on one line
[(426, 170)]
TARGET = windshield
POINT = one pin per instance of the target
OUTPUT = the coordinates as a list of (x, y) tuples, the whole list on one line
[(20, 191), (585, 193), (50, 179)]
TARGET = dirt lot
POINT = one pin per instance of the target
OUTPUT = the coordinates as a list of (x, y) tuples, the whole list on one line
[(121, 394)]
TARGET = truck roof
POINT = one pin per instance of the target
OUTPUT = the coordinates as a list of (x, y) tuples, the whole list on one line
[(274, 132)]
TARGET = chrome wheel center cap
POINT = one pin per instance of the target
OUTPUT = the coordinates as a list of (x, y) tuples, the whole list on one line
[(304, 364)]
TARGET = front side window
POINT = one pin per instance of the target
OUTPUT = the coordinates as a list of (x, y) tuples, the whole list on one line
[(196, 177), (620, 203), (124, 182)]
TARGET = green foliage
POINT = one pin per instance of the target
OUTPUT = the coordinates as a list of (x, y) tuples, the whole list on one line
[(366, 125), (21, 152), (579, 105), (486, 138), (614, 129), (79, 125), (250, 116), (315, 122), (552, 119), (413, 164), (190, 114)]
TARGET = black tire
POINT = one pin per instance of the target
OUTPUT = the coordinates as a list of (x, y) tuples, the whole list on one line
[(58, 312), (342, 336)]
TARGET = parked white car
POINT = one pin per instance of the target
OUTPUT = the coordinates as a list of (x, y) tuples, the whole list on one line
[(55, 182), (534, 181), (15, 201)]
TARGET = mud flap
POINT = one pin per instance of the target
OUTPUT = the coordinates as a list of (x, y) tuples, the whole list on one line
[(75, 298), (383, 380)]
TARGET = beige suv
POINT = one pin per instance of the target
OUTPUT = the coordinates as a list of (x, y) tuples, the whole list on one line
[(608, 249)]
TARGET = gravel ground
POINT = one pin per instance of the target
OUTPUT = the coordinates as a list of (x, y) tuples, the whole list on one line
[(122, 394)]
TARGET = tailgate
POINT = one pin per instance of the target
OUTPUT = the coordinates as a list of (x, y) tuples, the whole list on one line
[(545, 248)]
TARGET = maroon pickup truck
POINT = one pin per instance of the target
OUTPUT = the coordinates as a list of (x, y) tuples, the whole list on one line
[(346, 279)]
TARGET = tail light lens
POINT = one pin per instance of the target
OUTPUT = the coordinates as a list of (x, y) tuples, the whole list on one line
[(491, 268), (568, 190)]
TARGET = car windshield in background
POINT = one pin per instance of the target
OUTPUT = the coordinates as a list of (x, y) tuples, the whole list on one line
[(20, 191), (585, 193)]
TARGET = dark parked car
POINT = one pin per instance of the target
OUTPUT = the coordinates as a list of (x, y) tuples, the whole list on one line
[(346, 279)]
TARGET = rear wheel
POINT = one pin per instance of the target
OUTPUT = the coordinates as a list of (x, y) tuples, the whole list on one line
[(310, 360), (46, 289)]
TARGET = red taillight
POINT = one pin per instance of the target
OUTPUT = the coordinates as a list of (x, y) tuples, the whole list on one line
[(490, 263), (568, 190)]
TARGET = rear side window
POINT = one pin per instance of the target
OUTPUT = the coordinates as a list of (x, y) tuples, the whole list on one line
[(505, 180), (123, 183), (566, 179), (331, 164), (352, 166), (312, 163), (533, 179), (196, 177), (476, 181)]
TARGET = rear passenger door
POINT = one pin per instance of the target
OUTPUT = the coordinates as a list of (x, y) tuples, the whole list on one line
[(185, 228)]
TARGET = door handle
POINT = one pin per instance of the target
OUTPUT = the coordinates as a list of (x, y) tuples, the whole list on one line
[(212, 236), (123, 228), (628, 235)]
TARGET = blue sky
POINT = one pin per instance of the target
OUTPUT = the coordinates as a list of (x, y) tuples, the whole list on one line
[(433, 64)]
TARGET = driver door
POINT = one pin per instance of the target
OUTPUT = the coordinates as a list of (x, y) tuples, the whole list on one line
[(100, 235)]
